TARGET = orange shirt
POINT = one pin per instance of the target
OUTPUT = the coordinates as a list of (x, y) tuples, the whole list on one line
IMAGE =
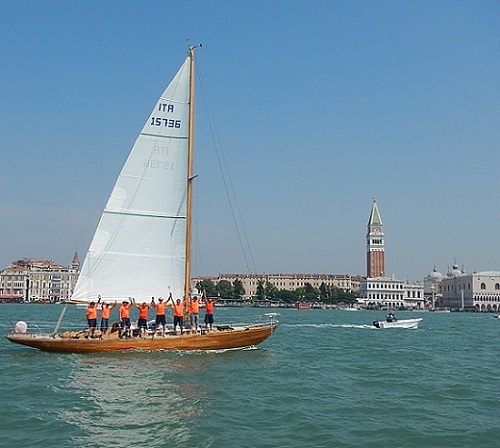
[(160, 308), (105, 310), (91, 312), (125, 311), (178, 309), (209, 307), (194, 307), (143, 312)]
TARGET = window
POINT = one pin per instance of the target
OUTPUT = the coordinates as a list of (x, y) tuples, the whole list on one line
[(483, 285), (497, 286)]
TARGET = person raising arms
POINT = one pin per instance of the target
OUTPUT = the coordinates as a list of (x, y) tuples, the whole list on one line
[(160, 313), (105, 313), (194, 313), (209, 313), (125, 319), (142, 322), (178, 314), (92, 318)]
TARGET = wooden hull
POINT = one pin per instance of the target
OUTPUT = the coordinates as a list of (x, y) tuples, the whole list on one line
[(239, 337)]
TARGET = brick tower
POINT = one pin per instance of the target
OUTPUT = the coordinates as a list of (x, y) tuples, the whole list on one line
[(375, 244)]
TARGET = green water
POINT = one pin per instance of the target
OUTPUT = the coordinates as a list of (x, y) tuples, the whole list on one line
[(326, 378)]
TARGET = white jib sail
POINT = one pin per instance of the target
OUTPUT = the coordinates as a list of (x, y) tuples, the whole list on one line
[(139, 247)]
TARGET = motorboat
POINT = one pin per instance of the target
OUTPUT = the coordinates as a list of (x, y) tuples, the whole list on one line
[(396, 323)]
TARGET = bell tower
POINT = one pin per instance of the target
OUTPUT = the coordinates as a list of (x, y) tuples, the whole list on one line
[(375, 244)]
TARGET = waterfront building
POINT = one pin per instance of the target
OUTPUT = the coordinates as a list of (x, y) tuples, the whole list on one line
[(387, 293), (290, 282), (479, 291), (36, 280)]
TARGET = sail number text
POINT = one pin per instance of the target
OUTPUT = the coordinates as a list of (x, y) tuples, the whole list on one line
[(165, 122)]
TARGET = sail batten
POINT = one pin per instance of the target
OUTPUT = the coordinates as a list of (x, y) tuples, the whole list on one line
[(139, 247), (144, 215), (163, 136)]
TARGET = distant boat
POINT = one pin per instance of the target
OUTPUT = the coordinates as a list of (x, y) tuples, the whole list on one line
[(142, 245), (303, 306), (395, 323)]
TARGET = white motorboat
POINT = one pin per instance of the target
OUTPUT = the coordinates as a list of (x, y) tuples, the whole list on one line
[(395, 323)]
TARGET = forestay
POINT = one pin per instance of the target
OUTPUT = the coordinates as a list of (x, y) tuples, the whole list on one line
[(139, 246)]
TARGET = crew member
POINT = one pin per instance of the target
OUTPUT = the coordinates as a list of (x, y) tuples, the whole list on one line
[(194, 313), (105, 312), (209, 313), (125, 319), (178, 315), (92, 319), (142, 322), (160, 313)]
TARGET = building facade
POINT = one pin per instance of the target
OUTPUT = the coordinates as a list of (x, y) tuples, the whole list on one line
[(390, 293), (375, 252), (290, 282), (479, 291), (35, 280)]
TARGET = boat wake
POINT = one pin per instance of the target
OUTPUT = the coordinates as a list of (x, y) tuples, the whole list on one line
[(360, 326)]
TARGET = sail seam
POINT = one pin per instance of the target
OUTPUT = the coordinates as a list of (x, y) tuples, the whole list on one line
[(163, 98), (163, 136), (144, 215)]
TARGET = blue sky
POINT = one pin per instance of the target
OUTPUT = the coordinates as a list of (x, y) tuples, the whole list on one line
[(318, 105)]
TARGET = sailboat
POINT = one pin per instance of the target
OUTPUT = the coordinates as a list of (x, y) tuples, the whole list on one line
[(142, 245)]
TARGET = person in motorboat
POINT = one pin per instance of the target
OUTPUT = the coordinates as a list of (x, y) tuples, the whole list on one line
[(391, 317)]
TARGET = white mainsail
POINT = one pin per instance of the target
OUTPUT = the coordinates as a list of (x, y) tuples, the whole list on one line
[(139, 247)]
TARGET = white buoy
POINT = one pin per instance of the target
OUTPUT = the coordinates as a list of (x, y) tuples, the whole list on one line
[(21, 327)]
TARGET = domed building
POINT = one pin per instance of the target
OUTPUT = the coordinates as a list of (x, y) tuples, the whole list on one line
[(432, 288), (479, 291)]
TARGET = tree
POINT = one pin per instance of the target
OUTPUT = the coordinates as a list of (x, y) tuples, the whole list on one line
[(207, 286), (288, 296), (340, 296), (224, 289), (270, 291), (323, 292), (311, 293), (260, 290), (238, 290)]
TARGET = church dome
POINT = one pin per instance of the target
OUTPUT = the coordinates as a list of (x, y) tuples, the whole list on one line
[(455, 271), (436, 275)]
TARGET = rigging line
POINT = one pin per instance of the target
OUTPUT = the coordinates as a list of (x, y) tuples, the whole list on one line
[(225, 173)]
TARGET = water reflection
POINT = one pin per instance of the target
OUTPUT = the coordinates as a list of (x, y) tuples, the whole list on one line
[(137, 398)]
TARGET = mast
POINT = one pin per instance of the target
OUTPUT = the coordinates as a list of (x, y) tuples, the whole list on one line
[(187, 278)]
